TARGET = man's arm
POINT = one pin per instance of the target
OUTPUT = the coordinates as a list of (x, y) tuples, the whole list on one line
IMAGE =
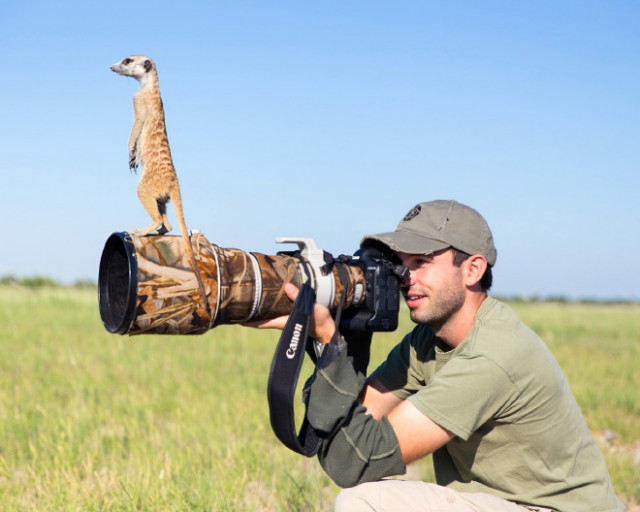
[(360, 444), (378, 400), (417, 435)]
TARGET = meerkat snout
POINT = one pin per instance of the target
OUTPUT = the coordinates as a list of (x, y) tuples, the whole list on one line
[(135, 66)]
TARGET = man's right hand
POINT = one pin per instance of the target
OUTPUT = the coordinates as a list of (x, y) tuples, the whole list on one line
[(322, 325)]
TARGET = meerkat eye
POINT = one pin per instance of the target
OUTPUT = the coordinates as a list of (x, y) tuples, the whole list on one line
[(126, 61)]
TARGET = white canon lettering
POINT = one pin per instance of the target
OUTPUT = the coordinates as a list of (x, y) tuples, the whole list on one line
[(295, 339)]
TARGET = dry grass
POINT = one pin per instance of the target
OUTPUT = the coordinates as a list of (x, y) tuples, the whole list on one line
[(93, 421)]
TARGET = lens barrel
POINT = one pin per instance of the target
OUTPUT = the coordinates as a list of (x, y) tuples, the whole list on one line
[(146, 285)]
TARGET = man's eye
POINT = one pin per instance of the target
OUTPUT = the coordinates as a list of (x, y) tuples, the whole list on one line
[(424, 261)]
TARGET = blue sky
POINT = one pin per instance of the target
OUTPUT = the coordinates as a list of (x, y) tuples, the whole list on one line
[(331, 120)]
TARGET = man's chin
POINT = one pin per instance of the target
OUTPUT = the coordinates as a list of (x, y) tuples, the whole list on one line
[(416, 317)]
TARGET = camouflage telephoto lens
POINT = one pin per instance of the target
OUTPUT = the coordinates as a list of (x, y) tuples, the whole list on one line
[(146, 284)]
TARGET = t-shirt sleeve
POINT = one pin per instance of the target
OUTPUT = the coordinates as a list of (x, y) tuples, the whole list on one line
[(400, 372), (464, 394)]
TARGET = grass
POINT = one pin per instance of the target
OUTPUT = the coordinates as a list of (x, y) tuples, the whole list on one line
[(98, 422)]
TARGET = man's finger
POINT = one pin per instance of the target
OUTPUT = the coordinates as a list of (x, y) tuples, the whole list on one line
[(278, 322), (291, 290), (269, 323)]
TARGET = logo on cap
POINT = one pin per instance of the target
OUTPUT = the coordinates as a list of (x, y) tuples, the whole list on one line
[(412, 213)]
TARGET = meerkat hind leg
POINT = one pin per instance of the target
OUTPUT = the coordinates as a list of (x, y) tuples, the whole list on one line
[(153, 229), (166, 225), (157, 210)]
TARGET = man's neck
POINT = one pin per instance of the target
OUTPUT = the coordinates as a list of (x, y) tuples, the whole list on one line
[(455, 330)]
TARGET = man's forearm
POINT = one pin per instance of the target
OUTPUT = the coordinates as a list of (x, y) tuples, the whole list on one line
[(356, 447)]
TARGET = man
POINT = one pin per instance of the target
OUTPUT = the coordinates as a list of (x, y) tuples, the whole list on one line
[(470, 384)]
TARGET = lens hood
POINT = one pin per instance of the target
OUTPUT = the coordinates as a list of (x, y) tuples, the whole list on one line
[(118, 283)]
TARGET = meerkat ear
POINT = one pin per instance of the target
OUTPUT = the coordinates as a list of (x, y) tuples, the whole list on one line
[(147, 65)]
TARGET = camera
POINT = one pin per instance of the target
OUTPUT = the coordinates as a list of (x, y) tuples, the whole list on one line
[(146, 284)]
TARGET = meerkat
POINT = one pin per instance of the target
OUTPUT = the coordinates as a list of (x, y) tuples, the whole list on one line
[(149, 147)]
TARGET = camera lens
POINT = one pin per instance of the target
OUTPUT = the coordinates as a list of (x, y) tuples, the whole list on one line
[(117, 283), (147, 285)]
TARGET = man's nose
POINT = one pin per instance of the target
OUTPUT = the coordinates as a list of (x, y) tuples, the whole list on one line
[(408, 279)]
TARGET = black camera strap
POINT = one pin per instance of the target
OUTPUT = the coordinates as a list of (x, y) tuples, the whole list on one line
[(284, 373), (286, 365)]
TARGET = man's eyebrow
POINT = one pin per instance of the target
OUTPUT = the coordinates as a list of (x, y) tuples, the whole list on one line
[(425, 257), (432, 255)]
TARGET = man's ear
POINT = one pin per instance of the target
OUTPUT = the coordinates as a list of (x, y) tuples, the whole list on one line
[(475, 267)]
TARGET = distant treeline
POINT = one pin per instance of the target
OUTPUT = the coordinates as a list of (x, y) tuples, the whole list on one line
[(563, 300), (46, 282)]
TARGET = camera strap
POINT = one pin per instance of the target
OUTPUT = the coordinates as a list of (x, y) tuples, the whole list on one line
[(284, 373)]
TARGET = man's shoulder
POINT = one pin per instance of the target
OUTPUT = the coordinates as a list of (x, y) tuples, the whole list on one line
[(496, 321), (494, 310), (500, 336)]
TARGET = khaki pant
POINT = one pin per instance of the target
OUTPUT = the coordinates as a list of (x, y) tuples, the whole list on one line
[(415, 496)]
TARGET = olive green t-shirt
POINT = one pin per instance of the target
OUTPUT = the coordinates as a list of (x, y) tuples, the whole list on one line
[(519, 432)]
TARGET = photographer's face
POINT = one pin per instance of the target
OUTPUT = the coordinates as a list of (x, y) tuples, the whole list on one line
[(434, 289)]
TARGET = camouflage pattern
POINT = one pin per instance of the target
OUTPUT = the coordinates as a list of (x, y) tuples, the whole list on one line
[(168, 297), (240, 286)]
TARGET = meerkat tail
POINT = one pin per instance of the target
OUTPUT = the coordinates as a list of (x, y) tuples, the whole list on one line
[(177, 203)]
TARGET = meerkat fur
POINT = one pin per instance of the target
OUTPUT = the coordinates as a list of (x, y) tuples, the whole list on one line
[(149, 147)]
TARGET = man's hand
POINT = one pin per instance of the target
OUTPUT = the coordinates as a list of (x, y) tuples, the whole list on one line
[(322, 325)]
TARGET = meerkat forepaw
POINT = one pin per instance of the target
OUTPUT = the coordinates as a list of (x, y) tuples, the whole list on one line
[(133, 162)]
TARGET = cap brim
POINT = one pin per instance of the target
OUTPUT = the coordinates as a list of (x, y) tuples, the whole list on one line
[(410, 243)]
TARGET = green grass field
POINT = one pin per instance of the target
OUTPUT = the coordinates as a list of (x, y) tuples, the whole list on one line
[(91, 421)]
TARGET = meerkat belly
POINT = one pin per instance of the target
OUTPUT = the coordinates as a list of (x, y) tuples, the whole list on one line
[(154, 145)]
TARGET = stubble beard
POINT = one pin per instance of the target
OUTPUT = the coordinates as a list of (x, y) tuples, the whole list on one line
[(442, 305)]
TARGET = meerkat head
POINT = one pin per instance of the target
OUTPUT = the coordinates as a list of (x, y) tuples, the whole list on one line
[(136, 66)]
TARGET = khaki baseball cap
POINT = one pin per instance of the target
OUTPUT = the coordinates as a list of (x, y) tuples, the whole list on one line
[(437, 225)]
